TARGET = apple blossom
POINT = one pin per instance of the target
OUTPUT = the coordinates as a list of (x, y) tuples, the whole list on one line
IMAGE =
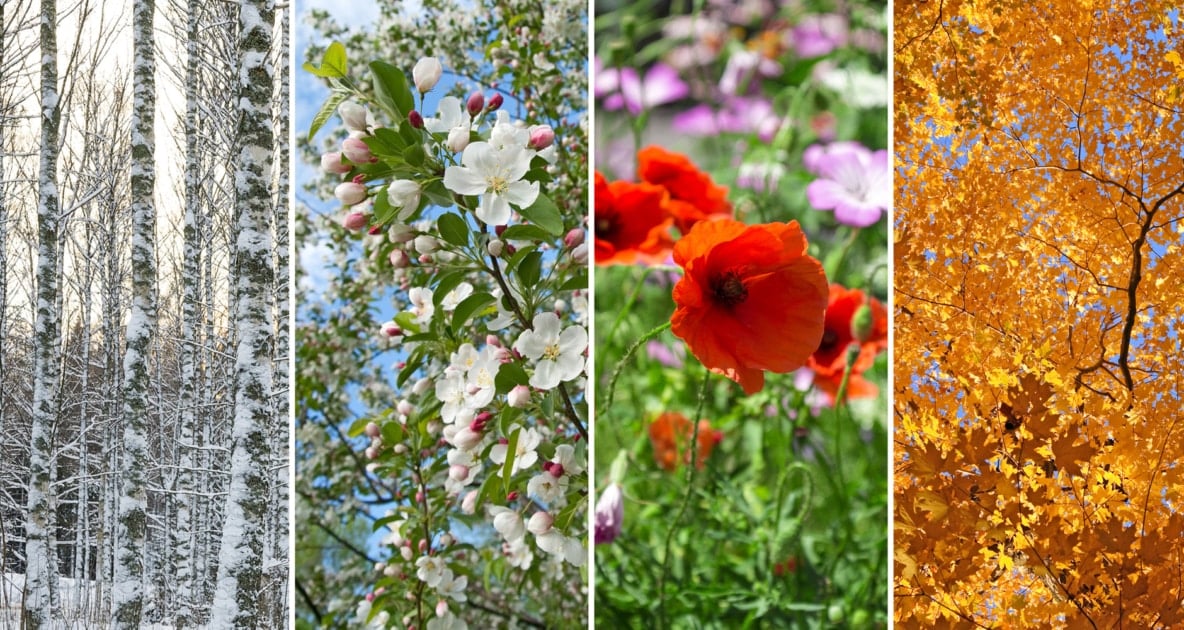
[(357, 151), (350, 193), (559, 355), (404, 194), (331, 163), (496, 175), (426, 73)]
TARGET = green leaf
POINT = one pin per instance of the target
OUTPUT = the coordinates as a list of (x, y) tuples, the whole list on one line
[(545, 214), (529, 269), (392, 89), (358, 427), (508, 466), (525, 233), (391, 138), (467, 307), (406, 321), (415, 155), (412, 365), (392, 432), (580, 281), (437, 194), (453, 229), (383, 210), (333, 63), (509, 376), (326, 112)]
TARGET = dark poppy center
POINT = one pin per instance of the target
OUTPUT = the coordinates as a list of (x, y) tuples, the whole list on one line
[(829, 339), (606, 227), (728, 289)]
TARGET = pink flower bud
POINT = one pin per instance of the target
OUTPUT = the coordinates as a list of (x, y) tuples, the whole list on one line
[(354, 221), (400, 449), (442, 608), (401, 233), (426, 244), (476, 103), (458, 472), (495, 102), (519, 397), (458, 139), (416, 119), (580, 253), (331, 163), (446, 540), (540, 523), (357, 151), (426, 73), (499, 230), (419, 499), (355, 116), (373, 430), (405, 407), (556, 470), (399, 259), (374, 229), (513, 496), (541, 137), (372, 452), (574, 238), (350, 193), (468, 505), (421, 386), (493, 340)]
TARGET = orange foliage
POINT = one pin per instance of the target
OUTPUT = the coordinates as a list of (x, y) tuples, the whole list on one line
[(1039, 469)]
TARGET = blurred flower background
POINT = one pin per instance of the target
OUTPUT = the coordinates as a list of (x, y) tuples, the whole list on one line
[(763, 113)]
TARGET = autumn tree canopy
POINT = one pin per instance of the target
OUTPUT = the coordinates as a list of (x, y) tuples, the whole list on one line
[(1039, 293)]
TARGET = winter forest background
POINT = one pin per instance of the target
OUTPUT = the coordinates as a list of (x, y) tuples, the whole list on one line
[(144, 304)]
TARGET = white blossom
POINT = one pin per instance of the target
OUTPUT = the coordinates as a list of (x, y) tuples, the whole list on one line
[(559, 354)]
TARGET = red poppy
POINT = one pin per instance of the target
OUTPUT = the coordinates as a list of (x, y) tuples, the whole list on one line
[(671, 431), (751, 298), (829, 361), (693, 196), (632, 222)]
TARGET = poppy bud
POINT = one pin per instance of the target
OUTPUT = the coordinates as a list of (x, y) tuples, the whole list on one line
[(861, 323)]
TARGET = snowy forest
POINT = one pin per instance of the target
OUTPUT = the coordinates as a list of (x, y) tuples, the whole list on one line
[(144, 301)]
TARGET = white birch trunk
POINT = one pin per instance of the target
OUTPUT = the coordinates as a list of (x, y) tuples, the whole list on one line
[(239, 558), (41, 568), (132, 526)]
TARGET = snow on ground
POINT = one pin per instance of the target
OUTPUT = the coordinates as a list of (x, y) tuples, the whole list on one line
[(71, 615)]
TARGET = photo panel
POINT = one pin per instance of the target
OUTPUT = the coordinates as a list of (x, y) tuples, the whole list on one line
[(143, 315), (442, 315), (742, 189), (1039, 211)]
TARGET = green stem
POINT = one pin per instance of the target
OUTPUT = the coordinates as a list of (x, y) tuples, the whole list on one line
[(612, 384), (686, 501)]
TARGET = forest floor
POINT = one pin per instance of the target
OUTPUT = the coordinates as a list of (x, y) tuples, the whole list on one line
[(78, 609)]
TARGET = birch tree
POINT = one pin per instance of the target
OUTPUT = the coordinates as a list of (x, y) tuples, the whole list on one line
[(133, 518), (239, 566), (40, 572)]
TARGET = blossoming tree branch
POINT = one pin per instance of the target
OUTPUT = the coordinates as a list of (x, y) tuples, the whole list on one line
[(483, 450)]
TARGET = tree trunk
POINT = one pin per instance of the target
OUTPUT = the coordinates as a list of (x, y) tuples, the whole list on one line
[(239, 566), (132, 526), (41, 569)]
